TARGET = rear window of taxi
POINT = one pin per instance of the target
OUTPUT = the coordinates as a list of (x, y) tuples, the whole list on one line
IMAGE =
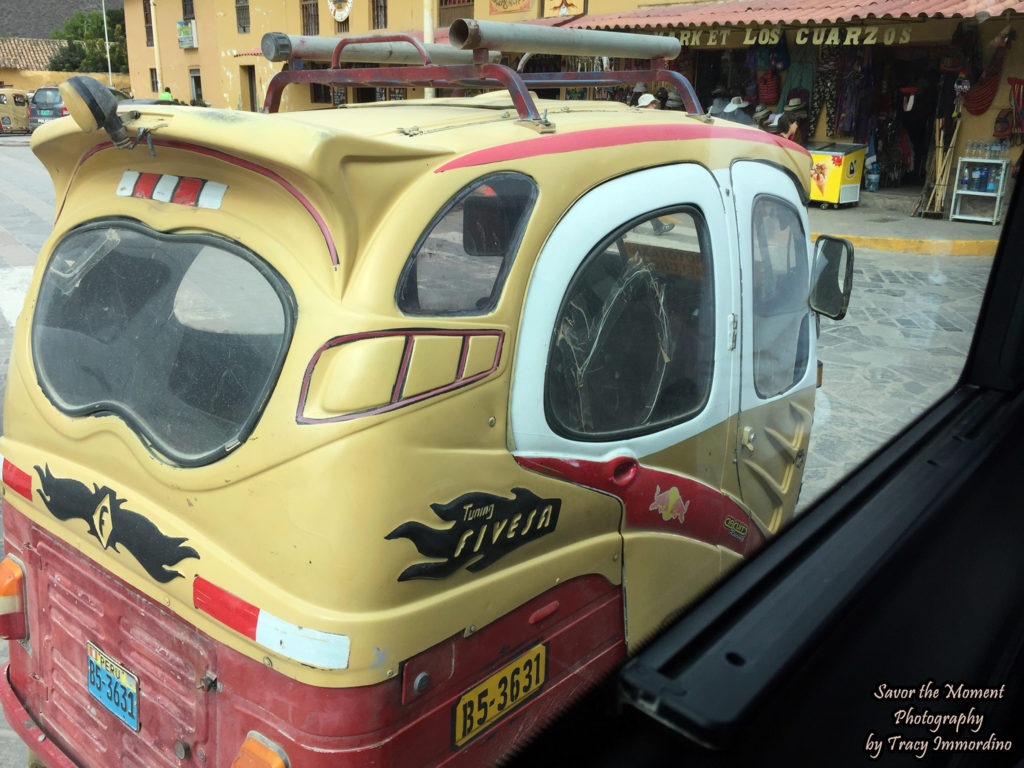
[(180, 335)]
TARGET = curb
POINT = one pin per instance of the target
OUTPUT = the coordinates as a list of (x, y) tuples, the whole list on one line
[(925, 247)]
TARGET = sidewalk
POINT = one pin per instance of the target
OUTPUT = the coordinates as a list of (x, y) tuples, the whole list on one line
[(882, 221)]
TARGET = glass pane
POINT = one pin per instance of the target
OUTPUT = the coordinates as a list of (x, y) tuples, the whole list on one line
[(781, 315), (182, 336), (459, 266), (633, 347)]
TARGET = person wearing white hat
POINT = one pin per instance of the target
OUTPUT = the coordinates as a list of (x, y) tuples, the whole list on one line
[(735, 110), (648, 101)]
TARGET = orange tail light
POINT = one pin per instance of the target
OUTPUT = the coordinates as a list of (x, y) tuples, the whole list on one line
[(13, 625), (259, 752)]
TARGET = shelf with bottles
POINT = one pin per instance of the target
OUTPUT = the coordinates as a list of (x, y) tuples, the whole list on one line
[(981, 173)]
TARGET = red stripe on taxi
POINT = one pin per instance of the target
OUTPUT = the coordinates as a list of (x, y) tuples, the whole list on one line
[(188, 191), (598, 138), (145, 185), (229, 610), (18, 481)]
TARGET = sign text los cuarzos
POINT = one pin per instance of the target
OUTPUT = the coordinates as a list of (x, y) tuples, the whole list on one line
[(862, 35)]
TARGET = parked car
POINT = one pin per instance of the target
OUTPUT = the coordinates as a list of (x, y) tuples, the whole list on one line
[(374, 436), (47, 104)]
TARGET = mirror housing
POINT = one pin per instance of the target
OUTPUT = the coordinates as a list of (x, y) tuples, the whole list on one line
[(833, 276), (93, 107)]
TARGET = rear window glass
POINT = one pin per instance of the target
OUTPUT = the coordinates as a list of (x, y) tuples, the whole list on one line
[(47, 96), (459, 265), (182, 336)]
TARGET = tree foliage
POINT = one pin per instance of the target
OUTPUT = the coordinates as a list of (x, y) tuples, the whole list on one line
[(85, 51)]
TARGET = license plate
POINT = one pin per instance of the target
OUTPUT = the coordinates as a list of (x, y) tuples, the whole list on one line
[(114, 687), (45, 112), (499, 694)]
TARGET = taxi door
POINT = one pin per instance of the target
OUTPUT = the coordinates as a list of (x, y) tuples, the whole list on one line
[(778, 341), (625, 376)]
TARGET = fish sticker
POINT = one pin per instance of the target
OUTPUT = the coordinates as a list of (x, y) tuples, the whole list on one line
[(113, 525)]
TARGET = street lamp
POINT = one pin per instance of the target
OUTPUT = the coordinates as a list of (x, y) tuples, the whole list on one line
[(106, 42)]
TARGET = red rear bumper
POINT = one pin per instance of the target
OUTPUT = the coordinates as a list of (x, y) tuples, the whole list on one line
[(21, 723)]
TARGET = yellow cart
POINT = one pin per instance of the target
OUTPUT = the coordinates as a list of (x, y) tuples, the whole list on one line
[(836, 170), (13, 110)]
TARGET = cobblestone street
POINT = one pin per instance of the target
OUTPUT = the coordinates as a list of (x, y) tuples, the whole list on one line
[(901, 346)]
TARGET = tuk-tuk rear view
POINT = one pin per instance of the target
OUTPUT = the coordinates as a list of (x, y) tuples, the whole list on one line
[(375, 435)]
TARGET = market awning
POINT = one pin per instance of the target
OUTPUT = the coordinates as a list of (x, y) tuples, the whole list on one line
[(761, 12)]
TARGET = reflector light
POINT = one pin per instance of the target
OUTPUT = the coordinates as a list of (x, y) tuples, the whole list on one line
[(17, 480), (13, 624), (259, 752)]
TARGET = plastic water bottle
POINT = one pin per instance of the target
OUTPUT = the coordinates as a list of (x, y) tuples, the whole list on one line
[(976, 179), (994, 180), (986, 184), (965, 179)]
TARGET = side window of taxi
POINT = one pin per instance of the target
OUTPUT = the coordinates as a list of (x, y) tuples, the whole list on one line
[(633, 344), (781, 324), (459, 265)]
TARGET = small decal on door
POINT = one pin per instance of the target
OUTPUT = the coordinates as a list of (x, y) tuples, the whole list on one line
[(485, 528), (670, 504)]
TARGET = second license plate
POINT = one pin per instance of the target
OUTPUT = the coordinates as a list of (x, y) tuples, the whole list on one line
[(500, 693)]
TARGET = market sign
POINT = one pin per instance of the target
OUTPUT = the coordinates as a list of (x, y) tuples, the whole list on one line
[(510, 6), (860, 35)]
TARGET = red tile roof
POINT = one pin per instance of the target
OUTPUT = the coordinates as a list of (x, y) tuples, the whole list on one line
[(28, 54), (747, 12)]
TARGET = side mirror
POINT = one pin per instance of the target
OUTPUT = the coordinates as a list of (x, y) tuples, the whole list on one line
[(93, 107), (833, 276)]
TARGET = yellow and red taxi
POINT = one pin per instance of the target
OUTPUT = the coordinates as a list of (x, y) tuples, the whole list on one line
[(374, 435)]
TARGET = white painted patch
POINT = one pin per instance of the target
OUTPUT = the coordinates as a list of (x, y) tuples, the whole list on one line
[(212, 195), (164, 189), (14, 282), (128, 181), (306, 646)]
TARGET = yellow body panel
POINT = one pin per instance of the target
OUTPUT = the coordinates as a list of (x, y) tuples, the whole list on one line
[(300, 519)]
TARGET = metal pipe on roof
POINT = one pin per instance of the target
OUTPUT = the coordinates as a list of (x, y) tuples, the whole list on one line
[(278, 46), (469, 34)]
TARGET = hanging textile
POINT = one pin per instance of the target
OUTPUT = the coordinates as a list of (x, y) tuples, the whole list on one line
[(800, 74), (826, 88), (981, 95), (1016, 110)]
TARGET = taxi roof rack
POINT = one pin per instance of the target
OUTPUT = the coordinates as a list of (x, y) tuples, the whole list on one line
[(470, 62)]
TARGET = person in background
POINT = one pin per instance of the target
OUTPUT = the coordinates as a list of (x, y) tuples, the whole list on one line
[(166, 95), (789, 128), (674, 101), (648, 101)]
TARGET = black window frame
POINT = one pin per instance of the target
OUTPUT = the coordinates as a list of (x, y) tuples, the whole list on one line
[(147, 15), (188, 10), (310, 12)]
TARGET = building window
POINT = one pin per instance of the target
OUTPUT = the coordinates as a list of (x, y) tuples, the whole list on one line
[(242, 16), (188, 13), (147, 14), (452, 10), (341, 27), (310, 17), (197, 87), (154, 83), (319, 93), (380, 14)]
